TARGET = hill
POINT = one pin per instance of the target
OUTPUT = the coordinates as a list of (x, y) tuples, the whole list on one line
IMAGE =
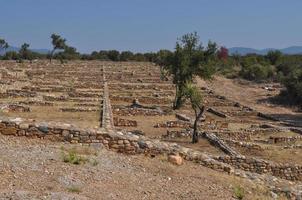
[(244, 50)]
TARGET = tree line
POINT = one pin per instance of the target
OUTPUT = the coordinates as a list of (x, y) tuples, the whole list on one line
[(64, 52)]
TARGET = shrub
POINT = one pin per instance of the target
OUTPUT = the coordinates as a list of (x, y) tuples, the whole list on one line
[(239, 192), (293, 84), (73, 158), (257, 72), (74, 189)]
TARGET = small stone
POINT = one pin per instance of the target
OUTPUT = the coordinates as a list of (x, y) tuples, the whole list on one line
[(175, 159), (24, 126), (274, 195)]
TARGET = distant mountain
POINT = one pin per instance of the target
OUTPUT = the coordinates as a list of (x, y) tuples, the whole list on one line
[(244, 50), (42, 51)]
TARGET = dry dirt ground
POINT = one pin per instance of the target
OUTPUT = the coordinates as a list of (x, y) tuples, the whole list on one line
[(34, 169), (253, 95)]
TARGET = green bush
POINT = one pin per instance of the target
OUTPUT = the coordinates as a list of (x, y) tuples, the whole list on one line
[(239, 192), (257, 72), (73, 158), (293, 84)]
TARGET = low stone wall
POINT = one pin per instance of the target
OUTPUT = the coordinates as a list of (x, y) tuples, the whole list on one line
[(137, 112), (85, 94), (55, 98), (216, 112), (124, 122), (36, 103), (275, 139), (285, 171), (241, 136), (15, 108), (177, 134), (118, 86), (298, 146), (216, 141), (122, 142), (247, 145), (69, 133), (173, 124), (107, 116), (144, 100), (48, 89), (17, 93), (79, 109)]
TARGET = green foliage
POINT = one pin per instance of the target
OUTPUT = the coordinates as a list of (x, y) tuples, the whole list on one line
[(25, 53), (69, 53), (193, 94), (58, 43), (255, 67), (239, 192), (188, 60), (113, 55), (274, 56), (293, 83), (73, 158), (126, 56), (11, 55), (3, 44), (74, 189), (257, 72)]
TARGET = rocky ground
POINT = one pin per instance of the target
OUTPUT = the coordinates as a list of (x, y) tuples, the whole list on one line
[(254, 95), (34, 169)]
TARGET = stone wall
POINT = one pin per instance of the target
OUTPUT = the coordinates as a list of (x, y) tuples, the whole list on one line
[(15, 108), (187, 133), (216, 141), (173, 124), (276, 139), (79, 109), (137, 112), (124, 122), (144, 100), (248, 145), (107, 116), (285, 171)]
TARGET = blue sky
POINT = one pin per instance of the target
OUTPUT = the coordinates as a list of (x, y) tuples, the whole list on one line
[(149, 25)]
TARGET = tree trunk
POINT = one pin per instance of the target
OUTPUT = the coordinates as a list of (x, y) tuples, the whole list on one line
[(195, 132), (51, 55), (177, 99), (195, 136)]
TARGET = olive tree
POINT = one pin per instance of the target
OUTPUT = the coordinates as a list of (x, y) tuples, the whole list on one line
[(58, 43), (193, 94), (189, 59)]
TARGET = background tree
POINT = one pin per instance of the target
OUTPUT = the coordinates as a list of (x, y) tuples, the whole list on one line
[(3, 45), (126, 56), (274, 56), (188, 60), (113, 55), (58, 43), (25, 53), (223, 53), (69, 53), (193, 94)]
